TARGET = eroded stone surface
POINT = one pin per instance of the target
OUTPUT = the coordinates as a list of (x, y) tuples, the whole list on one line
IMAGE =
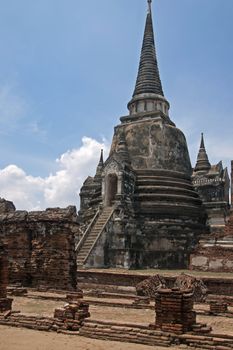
[(199, 261), (41, 247)]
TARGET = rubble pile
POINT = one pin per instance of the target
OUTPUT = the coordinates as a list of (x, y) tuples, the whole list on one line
[(150, 286), (71, 317), (187, 282)]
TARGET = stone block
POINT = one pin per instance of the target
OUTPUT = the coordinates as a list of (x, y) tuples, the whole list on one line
[(199, 261), (229, 264), (216, 264)]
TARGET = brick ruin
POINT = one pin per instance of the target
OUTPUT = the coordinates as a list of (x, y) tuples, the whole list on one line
[(175, 322), (218, 307), (74, 313), (213, 256), (5, 303), (215, 253), (232, 182), (174, 311), (41, 246), (212, 184)]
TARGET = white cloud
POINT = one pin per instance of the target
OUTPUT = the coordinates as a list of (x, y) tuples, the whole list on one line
[(59, 189)]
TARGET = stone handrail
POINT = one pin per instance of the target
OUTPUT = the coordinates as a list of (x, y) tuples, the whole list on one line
[(93, 245), (82, 240)]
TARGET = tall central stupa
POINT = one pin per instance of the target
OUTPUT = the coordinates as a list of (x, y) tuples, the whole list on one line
[(140, 209)]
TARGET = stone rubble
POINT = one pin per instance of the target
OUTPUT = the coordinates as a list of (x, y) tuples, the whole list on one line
[(199, 289), (150, 286), (73, 314)]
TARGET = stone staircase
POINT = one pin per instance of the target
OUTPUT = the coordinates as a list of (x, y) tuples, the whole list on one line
[(90, 237)]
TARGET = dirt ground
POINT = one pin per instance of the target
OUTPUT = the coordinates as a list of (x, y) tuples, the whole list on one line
[(35, 307), (23, 339)]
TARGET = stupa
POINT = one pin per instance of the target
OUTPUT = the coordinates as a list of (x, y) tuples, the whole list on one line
[(141, 210), (212, 183)]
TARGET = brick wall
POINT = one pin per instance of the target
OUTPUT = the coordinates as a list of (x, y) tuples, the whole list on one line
[(3, 272), (231, 182), (41, 247), (214, 259), (101, 280)]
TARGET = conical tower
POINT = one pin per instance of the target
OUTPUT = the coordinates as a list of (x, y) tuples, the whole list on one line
[(158, 215), (99, 166), (148, 93), (203, 163), (148, 79)]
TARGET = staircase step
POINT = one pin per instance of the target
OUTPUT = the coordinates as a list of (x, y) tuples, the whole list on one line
[(84, 251), (92, 236)]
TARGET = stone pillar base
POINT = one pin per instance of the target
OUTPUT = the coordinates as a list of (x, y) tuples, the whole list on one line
[(174, 310)]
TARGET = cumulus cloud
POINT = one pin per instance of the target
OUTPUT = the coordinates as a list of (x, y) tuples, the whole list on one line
[(58, 189)]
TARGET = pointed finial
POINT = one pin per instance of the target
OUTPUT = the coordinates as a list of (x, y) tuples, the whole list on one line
[(202, 141), (99, 167), (101, 162), (149, 5)]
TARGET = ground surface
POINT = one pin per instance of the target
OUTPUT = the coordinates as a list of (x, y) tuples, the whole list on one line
[(23, 339)]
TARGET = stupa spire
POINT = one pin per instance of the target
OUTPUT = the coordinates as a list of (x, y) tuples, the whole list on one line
[(101, 161), (149, 5), (148, 79), (99, 166), (203, 163), (148, 93)]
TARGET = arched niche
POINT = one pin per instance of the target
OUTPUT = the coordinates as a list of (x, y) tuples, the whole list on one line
[(111, 189)]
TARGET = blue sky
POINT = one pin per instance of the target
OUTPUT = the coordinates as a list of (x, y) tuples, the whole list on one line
[(68, 69)]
